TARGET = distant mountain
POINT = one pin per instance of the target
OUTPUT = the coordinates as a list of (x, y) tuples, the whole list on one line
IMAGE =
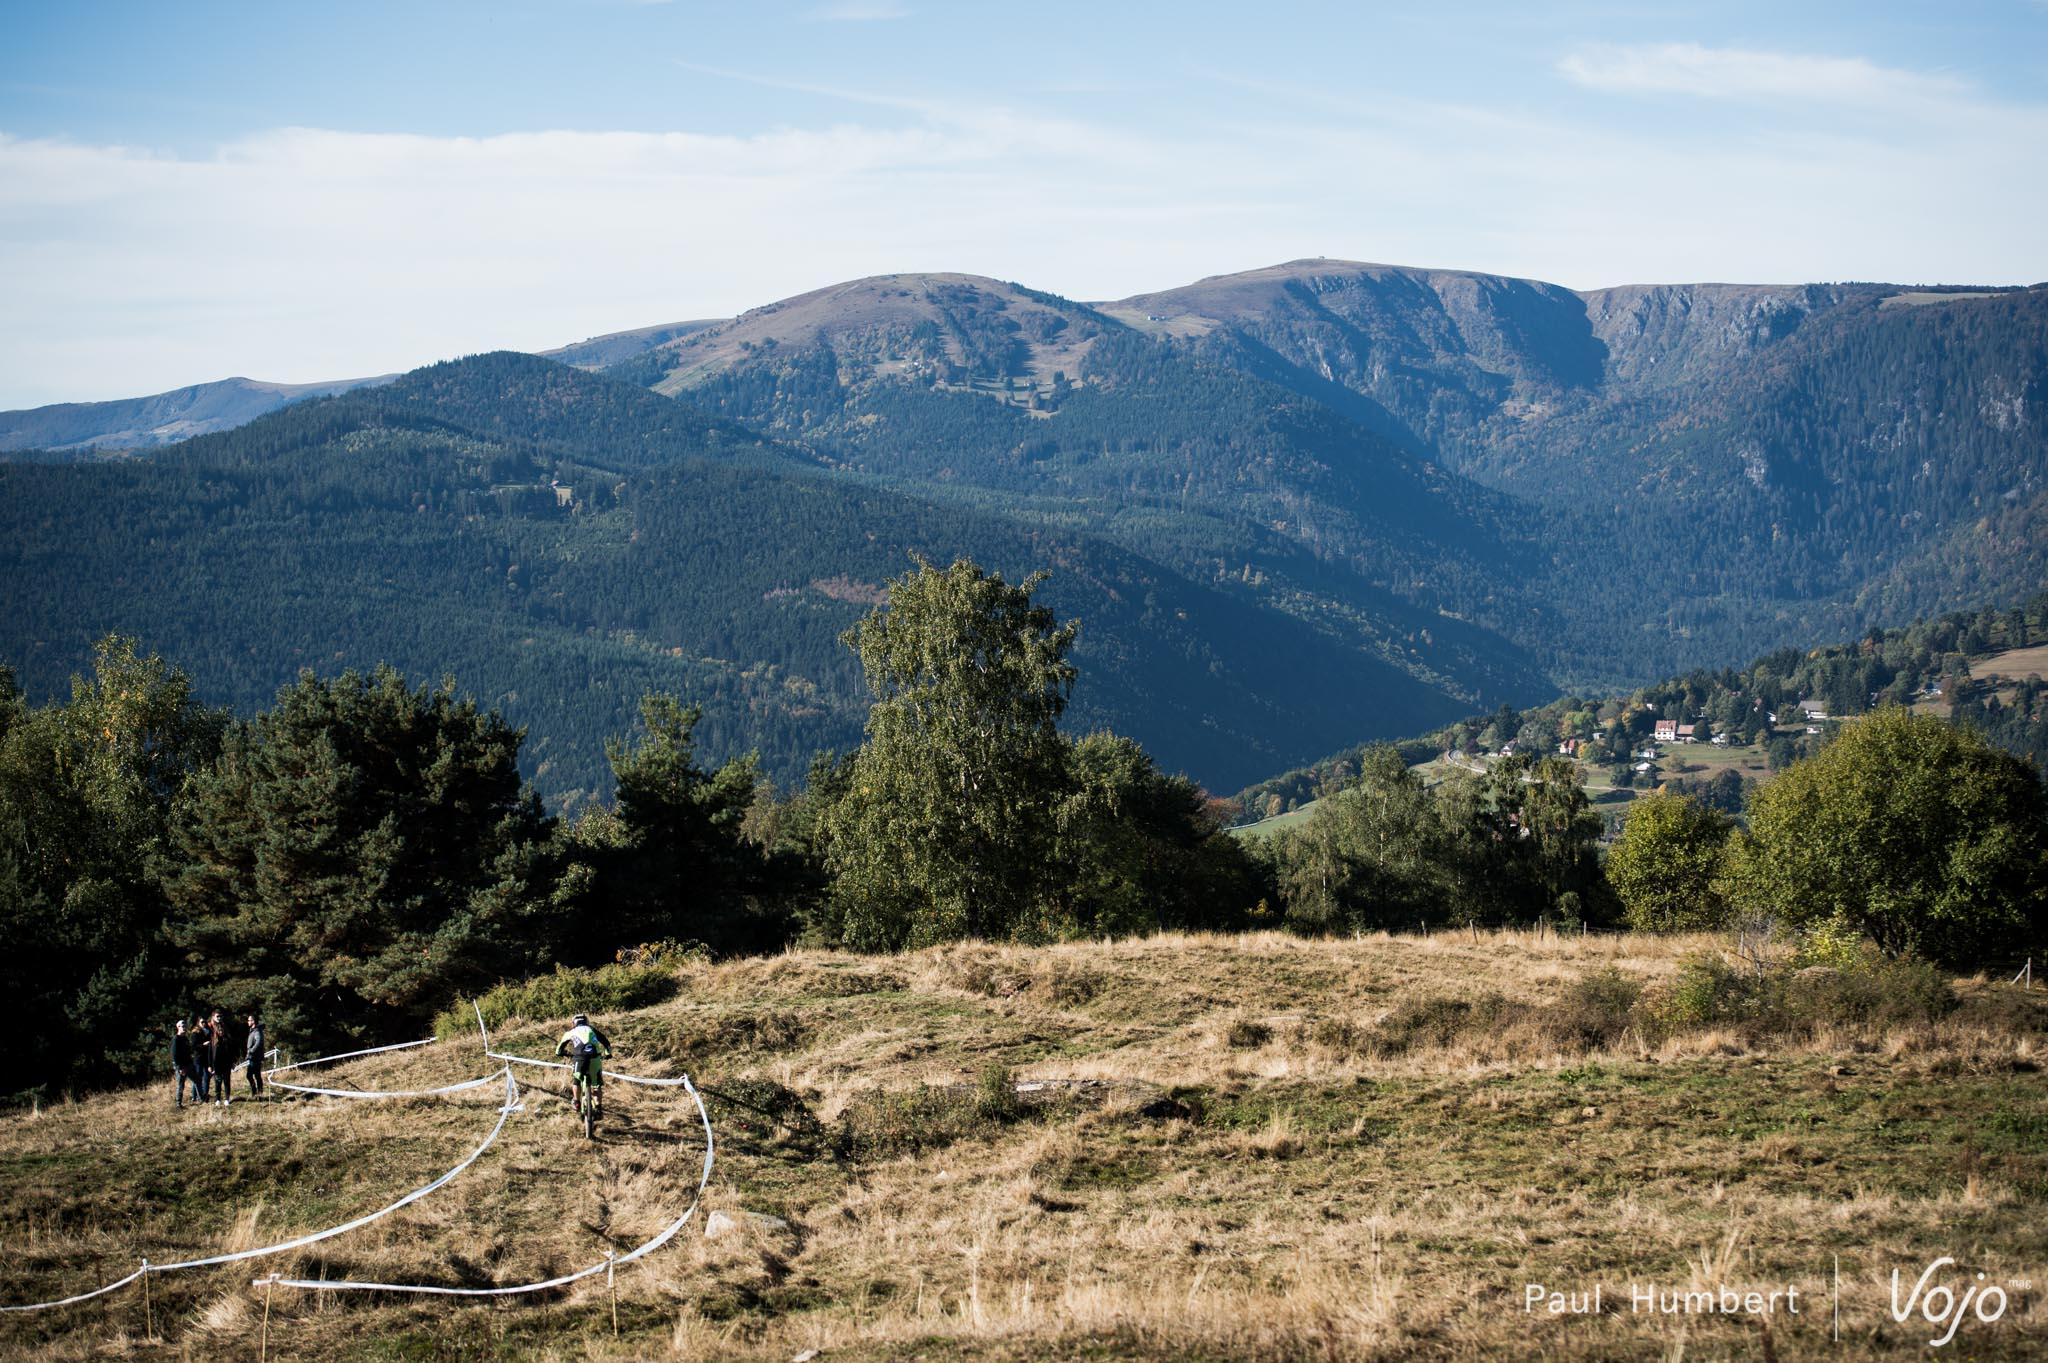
[(1295, 508), (600, 352), (160, 419), (991, 395), (1614, 484), (563, 543), (78, 428), (1719, 468)]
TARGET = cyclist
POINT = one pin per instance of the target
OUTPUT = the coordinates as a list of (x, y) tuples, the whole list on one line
[(587, 1049)]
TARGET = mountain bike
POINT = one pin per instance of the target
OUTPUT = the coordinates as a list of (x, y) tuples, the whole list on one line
[(583, 1096)]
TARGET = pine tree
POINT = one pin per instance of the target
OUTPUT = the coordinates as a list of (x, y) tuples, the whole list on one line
[(355, 856)]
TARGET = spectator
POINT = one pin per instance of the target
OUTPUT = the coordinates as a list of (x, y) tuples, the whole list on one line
[(182, 1065), (202, 1052), (220, 1052), (254, 1051)]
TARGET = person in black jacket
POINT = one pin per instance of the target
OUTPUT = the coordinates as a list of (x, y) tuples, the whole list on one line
[(220, 1058), (253, 1050), (202, 1062), (182, 1066)]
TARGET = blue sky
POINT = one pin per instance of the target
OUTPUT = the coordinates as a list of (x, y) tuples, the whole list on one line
[(308, 191)]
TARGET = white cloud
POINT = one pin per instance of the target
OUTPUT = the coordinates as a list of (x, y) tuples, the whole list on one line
[(304, 254), (858, 12), (1740, 74)]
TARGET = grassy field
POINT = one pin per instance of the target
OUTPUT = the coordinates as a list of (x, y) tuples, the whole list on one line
[(2016, 664), (1177, 1148)]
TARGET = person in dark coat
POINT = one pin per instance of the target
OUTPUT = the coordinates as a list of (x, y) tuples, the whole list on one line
[(253, 1050), (202, 1061), (220, 1058), (182, 1065)]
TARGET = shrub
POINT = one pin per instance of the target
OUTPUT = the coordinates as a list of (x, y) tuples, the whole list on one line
[(768, 1115), (1920, 835), (1874, 989), (1070, 986), (1339, 1035), (1436, 1021), (606, 989), (1707, 992), (895, 1122), (692, 1037), (1798, 997), (1594, 1011), (1245, 1034)]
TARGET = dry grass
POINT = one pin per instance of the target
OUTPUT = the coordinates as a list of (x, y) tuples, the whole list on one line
[(1216, 1155)]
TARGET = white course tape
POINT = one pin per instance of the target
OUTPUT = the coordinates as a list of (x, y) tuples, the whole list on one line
[(682, 1082), (511, 1106), (369, 1093), (390, 1093), (669, 1233), (83, 1296), (349, 1055)]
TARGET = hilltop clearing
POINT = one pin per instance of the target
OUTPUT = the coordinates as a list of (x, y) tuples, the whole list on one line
[(1179, 1147)]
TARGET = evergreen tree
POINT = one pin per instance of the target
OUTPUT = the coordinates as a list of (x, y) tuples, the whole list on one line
[(357, 854), (1140, 851), (674, 863)]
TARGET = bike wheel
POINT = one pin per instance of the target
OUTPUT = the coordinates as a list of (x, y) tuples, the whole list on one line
[(589, 1117)]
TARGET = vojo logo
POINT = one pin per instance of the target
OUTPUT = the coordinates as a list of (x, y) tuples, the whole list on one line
[(1942, 1307)]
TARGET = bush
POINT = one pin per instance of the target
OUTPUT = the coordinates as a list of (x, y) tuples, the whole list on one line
[(1338, 1035), (1435, 1022), (1707, 992), (692, 1037), (1069, 985), (607, 989), (896, 1122), (1917, 834), (769, 1117), (1594, 1011), (1244, 1034), (1874, 990), (1798, 997)]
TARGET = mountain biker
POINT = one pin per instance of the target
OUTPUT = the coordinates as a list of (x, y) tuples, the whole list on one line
[(587, 1050)]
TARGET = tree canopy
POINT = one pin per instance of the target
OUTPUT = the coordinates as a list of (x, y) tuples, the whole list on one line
[(356, 853), (1918, 834), (948, 825), (1664, 865)]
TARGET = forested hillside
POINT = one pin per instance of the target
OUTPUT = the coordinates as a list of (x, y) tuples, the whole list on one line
[(1297, 507), (1979, 669), (1717, 468), (1609, 485), (562, 544)]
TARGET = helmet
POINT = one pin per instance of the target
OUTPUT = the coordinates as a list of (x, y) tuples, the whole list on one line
[(579, 1020)]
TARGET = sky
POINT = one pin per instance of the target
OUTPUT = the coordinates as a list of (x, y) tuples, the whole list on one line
[(310, 191)]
